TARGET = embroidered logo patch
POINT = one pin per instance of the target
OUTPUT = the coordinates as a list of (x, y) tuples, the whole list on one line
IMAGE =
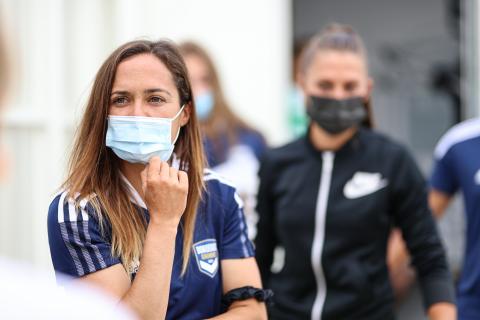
[(206, 254)]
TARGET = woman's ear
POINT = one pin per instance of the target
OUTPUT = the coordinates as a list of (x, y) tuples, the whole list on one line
[(185, 116)]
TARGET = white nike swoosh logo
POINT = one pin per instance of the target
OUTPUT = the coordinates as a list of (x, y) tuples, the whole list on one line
[(356, 188)]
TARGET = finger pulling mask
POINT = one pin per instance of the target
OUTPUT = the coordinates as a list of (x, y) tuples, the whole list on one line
[(336, 116), (137, 139)]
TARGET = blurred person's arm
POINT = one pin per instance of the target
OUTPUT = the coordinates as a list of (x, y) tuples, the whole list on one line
[(398, 259), (438, 202), (443, 185), (442, 311), (444, 179), (238, 273), (402, 275), (412, 214), (265, 240)]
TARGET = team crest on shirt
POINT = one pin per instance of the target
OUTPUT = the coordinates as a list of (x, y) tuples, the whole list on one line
[(206, 254)]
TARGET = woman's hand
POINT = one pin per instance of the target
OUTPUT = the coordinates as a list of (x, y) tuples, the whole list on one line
[(165, 191)]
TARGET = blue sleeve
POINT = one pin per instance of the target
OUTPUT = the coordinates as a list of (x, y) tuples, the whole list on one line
[(236, 244), (77, 245), (255, 141), (443, 176)]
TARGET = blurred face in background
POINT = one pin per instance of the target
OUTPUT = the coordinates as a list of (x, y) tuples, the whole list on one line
[(202, 88), (337, 75), (199, 74)]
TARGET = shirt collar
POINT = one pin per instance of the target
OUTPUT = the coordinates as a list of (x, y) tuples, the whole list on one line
[(134, 196)]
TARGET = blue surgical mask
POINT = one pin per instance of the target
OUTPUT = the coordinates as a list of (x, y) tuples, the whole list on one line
[(137, 139), (204, 104)]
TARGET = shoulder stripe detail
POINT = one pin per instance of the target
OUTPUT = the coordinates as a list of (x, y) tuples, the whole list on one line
[(212, 175), (83, 203), (80, 243), (61, 201), (76, 236), (64, 232), (238, 200), (244, 236), (71, 250), (463, 131), (94, 247), (72, 212), (73, 233)]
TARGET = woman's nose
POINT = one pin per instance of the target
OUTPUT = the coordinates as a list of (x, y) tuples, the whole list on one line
[(339, 93), (139, 109)]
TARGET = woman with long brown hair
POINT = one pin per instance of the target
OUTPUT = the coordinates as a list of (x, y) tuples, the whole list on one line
[(138, 216), (233, 148), (331, 198)]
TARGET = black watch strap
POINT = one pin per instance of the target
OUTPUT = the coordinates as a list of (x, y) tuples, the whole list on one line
[(248, 292)]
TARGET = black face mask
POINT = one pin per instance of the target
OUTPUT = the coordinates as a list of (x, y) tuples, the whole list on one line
[(336, 116)]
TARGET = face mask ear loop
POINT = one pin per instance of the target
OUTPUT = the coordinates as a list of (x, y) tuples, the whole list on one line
[(178, 113), (179, 127)]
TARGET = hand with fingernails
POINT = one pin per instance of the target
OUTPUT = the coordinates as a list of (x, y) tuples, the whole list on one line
[(165, 191)]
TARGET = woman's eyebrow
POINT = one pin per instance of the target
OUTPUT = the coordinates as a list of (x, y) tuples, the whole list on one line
[(147, 91), (157, 90), (120, 92)]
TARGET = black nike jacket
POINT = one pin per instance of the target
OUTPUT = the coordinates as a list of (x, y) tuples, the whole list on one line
[(332, 213)]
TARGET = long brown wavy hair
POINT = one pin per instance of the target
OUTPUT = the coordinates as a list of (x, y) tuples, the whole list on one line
[(94, 170), (337, 37), (222, 120)]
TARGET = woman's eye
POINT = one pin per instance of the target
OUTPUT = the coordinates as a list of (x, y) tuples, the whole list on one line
[(325, 85), (120, 100), (350, 86), (156, 99)]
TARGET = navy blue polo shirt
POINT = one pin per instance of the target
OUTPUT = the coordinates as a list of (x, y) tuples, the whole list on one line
[(78, 246), (457, 168), (217, 151)]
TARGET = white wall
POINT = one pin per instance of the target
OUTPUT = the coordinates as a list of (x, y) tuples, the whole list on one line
[(58, 47)]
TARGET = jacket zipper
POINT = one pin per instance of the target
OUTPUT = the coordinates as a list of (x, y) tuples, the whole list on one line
[(319, 233)]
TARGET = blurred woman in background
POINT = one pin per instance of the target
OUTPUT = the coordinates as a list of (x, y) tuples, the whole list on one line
[(330, 200), (233, 148)]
